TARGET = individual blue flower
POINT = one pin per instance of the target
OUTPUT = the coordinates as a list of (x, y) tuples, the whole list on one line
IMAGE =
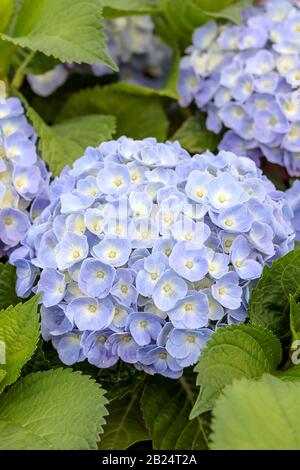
[(169, 289), (69, 348), (119, 320), (235, 219), (94, 345), (123, 290), (54, 321), (190, 312), (52, 285), (144, 327), (186, 345), (45, 84), (215, 310), (114, 179), (224, 192), (217, 263), (227, 291), (261, 237), (14, 225), (26, 276), (157, 360), (91, 314), (123, 345), (147, 278), (96, 278), (71, 249), (190, 263), (113, 251), (246, 267)]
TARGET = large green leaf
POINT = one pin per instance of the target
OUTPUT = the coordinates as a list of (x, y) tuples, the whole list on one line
[(269, 302), (258, 415), (139, 113), (292, 374), (58, 409), (194, 136), (19, 331), (166, 405), (67, 30), (113, 8), (8, 294), (234, 352), (63, 143), (125, 425), (6, 9)]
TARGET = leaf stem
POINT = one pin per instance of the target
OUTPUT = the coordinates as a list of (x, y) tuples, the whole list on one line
[(20, 72), (186, 387)]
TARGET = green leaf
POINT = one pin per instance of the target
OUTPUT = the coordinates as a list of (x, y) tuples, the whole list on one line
[(2, 374), (294, 318), (19, 331), (114, 8), (194, 136), (56, 410), (67, 30), (166, 405), (185, 17), (138, 111), (62, 144), (125, 425), (262, 415), (6, 9), (269, 301), (234, 352), (8, 279)]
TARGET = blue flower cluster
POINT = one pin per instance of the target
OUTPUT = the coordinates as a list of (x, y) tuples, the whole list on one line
[(144, 250), (247, 79), (23, 176), (142, 57)]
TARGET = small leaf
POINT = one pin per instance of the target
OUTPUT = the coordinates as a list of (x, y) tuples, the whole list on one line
[(166, 405), (231, 12), (294, 318), (63, 143), (125, 425), (57, 410), (67, 30), (138, 111), (8, 294), (292, 374), (257, 415), (19, 331), (194, 136), (269, 301), (234, 352)]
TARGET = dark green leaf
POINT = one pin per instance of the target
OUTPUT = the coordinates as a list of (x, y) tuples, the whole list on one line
[(8, 279), (194, 136)]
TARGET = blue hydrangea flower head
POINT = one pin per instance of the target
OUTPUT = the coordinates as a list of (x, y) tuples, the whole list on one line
[(163, 250), (246, 78), (24, 179)]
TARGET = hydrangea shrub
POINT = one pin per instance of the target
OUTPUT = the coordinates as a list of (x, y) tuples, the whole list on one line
[(144, 250), (246, 77), (140, 54), (23, 176)]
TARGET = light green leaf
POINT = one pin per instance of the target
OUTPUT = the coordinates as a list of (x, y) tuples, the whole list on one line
[(231, 12), (67, 30), (233, 352), (294, 318), (8, 279), (269, 301), (194, 136), (114, 8), (6, 9), (19, 331), (166, 405), (2, 374), (63, 143), (57, 410), (125, 425), (138, 111), (257, 415)]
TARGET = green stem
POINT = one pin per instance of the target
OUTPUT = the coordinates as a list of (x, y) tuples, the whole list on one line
[(20, 73), (190, 396)]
